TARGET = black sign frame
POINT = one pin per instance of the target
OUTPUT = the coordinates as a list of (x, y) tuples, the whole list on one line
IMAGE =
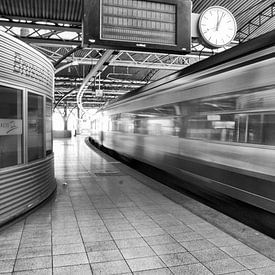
[(91, 29)]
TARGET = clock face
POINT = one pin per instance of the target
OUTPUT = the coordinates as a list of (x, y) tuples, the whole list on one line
[(217, 26)]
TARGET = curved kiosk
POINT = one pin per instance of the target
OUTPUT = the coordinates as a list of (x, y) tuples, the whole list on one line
[(26, 156)]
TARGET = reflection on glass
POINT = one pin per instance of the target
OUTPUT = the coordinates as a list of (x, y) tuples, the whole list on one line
[(35, 127), (10, 127)]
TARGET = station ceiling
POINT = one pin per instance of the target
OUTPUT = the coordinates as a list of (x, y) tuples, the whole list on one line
[(54, 28)]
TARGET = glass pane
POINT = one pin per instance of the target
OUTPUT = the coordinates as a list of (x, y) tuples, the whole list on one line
[(10, 127), (254, 129), (35, 127), (242, 128), (219, 127), (269, 129), (48, 126)]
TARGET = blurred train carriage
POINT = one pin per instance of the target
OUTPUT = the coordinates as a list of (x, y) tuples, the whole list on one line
[(212, 123)]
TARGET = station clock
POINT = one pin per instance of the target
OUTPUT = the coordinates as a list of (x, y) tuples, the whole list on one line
[(217, 27)]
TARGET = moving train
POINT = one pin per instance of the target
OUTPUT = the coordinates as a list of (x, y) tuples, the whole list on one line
[(211, 124)]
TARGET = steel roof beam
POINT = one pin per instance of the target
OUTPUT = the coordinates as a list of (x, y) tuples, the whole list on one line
[(16, 18), (34, 25), (255, 23)]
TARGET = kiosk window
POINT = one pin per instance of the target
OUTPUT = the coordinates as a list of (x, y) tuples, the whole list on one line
[(35, 127), (10, 127)]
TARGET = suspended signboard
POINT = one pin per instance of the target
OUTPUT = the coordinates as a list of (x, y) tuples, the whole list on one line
[(155, 25)]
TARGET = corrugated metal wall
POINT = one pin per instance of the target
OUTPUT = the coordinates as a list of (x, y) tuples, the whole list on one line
[(24, 187), (21, 65)]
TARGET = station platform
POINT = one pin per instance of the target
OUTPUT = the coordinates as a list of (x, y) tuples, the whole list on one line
[(107, 218)]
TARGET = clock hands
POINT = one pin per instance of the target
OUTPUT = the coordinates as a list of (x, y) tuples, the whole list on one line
[(219, 19)]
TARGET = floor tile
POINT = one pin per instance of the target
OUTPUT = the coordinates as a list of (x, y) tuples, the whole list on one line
[(244, 272), (178, 259), (238, 250), (68, 249), (6, 265), (73, 270), (44, 271), (191, 269), (67, 240), (197, 245), (36, 251), (207, 255), (224, 241), (159, 271), (255, 261), (70, 259), (177, 229), (130, 243), (8, 254), (151, 232), (270, 270), (128, 234), (137, 252), (33, 263), (116, 267), (93, 237), (9, 244), (224, 266), (100, 246), (104, 256), (161, 239), (168, 248), (145, 263), (185, 237)]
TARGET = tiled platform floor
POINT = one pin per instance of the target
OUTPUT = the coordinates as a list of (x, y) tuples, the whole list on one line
[(106, 221)]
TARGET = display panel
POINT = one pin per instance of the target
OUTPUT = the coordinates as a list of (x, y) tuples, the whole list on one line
[(156, 25), (139, 21)]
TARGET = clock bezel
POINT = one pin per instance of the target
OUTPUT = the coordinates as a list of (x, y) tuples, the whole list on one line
[(204, 39)]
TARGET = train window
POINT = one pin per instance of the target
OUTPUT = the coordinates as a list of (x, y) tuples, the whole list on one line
[(254, 131), (269, 129), (35, 126), (11, 125), (161, 126), (140, 126), (211, 127)]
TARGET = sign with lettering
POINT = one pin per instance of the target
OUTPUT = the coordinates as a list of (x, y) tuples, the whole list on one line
[(10, 127), (34, 71), (139, 25)]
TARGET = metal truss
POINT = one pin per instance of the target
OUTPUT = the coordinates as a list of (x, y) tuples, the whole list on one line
[(38, 31), (106, 84), (255, 23), (127, 59)]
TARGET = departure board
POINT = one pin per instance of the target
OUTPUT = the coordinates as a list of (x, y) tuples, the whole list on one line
[(146, 25), (139, 21)]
